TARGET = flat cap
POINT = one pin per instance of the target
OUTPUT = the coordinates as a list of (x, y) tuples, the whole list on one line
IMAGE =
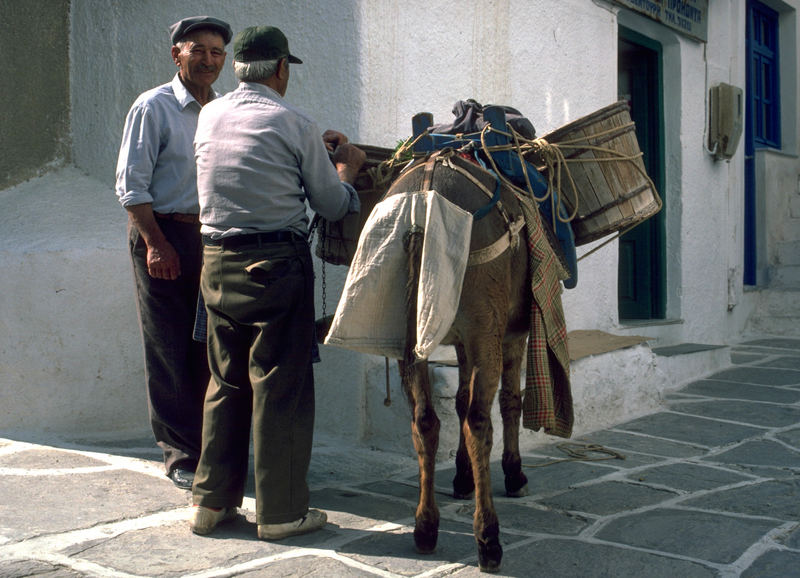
[(262, 43), (183, 27)]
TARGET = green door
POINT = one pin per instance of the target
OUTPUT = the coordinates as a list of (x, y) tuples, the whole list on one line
[(641, 278)]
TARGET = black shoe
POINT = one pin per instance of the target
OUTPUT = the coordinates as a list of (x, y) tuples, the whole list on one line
[(182, 478)]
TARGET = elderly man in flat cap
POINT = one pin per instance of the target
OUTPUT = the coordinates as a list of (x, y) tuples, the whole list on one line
[(157, 185), (260, 161)]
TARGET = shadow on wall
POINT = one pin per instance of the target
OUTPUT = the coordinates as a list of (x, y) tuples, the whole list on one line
[(34, 42)]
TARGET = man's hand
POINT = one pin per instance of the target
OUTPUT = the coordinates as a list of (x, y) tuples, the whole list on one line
[(163, 261), (348, 160), (333, 139)]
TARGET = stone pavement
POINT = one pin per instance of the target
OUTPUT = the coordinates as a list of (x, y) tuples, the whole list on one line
[(710, 486)]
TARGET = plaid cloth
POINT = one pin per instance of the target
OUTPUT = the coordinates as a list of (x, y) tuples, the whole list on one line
[(200, 331), (548, 399)]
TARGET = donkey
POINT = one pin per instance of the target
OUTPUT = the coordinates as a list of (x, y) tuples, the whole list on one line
[(489, 334)]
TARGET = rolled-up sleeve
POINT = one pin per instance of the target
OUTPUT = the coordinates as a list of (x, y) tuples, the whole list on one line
[(137, 156)]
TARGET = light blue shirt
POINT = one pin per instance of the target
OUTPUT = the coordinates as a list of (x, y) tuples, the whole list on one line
[(156, 158), (258, 160)]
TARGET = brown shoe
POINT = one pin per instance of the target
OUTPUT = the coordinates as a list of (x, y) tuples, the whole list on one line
[(313, 520), (204, 520)]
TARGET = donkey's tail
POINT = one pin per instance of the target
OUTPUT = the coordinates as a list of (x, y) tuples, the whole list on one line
[(412, 243)]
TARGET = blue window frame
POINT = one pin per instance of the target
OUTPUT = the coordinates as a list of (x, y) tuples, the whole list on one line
[(763, 75)]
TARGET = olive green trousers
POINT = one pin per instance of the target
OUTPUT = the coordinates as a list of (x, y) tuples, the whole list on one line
[(260, 303)]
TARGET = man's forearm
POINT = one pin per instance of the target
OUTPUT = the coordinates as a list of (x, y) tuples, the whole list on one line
[(144, 220)]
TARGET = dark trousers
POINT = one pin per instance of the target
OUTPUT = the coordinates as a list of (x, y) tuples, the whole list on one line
[(176, 366), (260, 304)]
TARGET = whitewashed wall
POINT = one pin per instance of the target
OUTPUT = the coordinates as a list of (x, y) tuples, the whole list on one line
[(369, 66)]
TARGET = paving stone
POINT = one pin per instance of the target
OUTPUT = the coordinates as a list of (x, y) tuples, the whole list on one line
[(688, 477), (774, 564), (359, 510), (80, 500), (606, 498), (406, 491), (690, 429), (627, 442), (739, 358), (755, 350), (582, 451), (564, 558), (774, 498), (767, 472), (307, 567), (514, 514), (633, 460), (48, 459), (18, 568), (758, 375), (754, 413), (759, 453), (143, 447), (735, 390), (173, 550), (702, 535), (791, 539), (779, 342), (784, 362), (791, 437), (395, 552), (543, 480)]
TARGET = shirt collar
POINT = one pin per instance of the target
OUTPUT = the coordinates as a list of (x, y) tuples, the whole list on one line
[(183, 96), (263, 88)]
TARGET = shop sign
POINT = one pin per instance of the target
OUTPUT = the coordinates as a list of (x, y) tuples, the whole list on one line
[(689, 17)]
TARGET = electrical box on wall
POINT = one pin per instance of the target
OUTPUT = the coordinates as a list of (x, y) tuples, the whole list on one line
[(726, 116)]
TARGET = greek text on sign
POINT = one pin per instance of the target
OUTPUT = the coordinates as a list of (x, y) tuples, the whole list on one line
[(689, 17)]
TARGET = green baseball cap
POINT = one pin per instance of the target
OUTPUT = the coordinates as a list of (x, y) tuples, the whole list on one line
[(261, 43)]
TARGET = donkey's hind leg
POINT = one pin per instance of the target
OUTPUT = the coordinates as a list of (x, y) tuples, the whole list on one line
[(484, 377), (463, 482), (510, 409), (425, 434)]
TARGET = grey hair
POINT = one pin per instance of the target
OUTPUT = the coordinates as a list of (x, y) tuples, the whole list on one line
[(256, 70)]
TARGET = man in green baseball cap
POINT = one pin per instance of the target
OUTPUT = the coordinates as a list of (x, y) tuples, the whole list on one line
[(260, 165)]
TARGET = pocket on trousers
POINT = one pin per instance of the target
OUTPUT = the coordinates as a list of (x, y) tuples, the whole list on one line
[(268, 272)]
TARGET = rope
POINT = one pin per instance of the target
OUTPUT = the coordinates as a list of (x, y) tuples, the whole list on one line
[(580, 452), (552, 155)]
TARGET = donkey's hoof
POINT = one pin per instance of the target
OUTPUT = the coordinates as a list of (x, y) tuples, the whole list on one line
[(425, 542), (490, 555), (519, 493), (516, 485), (463, 487)]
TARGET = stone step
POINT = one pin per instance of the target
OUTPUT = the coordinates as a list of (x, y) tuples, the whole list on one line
[(788, 252), (777, 312), (785, 276)]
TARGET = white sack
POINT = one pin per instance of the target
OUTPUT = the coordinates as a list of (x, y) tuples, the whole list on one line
[(370, 317)]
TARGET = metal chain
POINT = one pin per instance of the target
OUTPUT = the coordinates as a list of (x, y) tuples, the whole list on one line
[(324, 292)]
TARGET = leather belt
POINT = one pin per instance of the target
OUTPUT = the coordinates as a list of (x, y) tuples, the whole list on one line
[(255, 239), (180, 217)]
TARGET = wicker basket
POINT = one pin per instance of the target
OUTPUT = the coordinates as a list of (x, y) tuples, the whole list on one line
[(602, 155)]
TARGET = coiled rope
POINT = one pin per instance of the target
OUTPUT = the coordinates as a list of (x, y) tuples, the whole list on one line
[(578, 452)]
